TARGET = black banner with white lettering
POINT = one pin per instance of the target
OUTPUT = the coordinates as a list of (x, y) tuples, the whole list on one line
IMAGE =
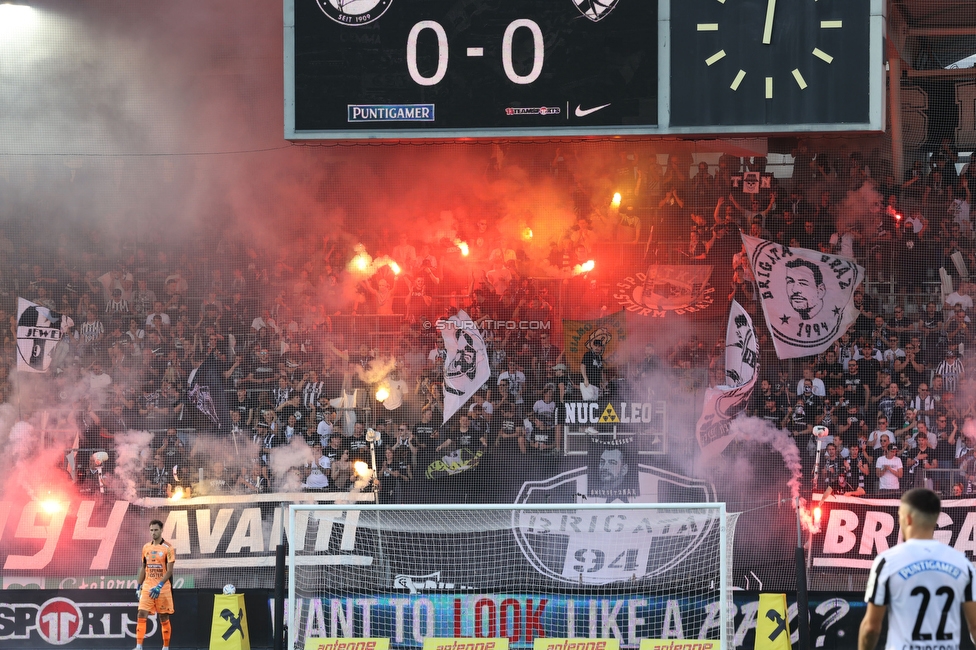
[(853, 531)]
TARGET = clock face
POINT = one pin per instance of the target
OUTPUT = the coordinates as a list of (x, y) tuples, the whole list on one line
[(770, 62)]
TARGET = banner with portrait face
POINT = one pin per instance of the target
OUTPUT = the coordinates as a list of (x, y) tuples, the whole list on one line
[(579, 335), (807, 296), (466, 368), (612, 473)]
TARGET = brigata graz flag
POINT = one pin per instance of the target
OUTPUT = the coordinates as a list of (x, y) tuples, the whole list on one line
[(39, 330), (722, 403), (807, 296), (466, 368)]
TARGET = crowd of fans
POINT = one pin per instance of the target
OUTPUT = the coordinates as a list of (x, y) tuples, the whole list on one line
[(297, 342)]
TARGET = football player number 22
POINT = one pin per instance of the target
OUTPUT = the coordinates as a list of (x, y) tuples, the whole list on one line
[(538, 52)]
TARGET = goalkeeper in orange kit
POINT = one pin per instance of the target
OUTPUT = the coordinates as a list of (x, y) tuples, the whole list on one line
[(155, 595)]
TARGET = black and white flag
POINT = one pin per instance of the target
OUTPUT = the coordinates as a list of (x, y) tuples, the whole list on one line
[(807, 296), (723, 403), (466, 368), (39, 330)]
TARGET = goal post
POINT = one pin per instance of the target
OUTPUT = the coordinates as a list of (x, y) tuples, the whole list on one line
[(523, 571)]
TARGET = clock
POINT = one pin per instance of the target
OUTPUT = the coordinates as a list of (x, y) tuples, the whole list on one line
[(776, 65)]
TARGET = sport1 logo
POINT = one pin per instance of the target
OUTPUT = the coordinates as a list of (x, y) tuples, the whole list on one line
[(58, 621)]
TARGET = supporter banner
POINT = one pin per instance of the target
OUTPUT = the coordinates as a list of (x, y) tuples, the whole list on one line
[(39, 330), (807, 296), (466, 368), (460, 460), (94, 543), (610, 476), (854, 530), (722, 403), (666, 288), (579, 335), (106, 618), (522, 618)]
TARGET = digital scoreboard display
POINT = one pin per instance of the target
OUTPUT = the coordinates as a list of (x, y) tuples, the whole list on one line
[(469, 68), (427, 69)]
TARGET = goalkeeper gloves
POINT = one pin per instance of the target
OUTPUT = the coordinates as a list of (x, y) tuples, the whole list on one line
[(139, 593), (154, 592)]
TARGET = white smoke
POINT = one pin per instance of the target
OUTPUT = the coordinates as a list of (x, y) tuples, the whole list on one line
[(132, 454), (285, 462)]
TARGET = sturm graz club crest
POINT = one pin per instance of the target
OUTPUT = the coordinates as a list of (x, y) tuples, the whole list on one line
[(595, 10), (354, 12)]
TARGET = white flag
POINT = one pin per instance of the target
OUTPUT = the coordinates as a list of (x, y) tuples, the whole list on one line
[(807, 296), (39, 330), (723, 403), (741, 348), (466, 368)]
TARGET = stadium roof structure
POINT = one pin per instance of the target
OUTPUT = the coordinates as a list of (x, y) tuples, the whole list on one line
[(934, 37)]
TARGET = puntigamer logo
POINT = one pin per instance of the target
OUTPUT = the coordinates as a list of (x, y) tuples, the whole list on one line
[(354, 12), (390, 113)]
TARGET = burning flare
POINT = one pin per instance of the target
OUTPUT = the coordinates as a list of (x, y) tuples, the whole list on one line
[(382, 393), (361, 261), (462, 246), (615, 202), (585, 267), (361, 468)]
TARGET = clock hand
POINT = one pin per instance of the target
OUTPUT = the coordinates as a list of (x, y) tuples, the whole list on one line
[(768, 28)]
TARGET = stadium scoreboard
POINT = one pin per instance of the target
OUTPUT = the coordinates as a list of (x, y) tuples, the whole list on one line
[(423, 69)]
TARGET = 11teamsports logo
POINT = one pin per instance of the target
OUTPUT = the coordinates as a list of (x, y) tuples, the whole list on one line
[(354, 12)]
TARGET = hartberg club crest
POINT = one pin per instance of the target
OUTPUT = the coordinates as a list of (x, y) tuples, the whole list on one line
[(354, 12)]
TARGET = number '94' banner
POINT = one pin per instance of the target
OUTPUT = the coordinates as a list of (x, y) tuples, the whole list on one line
[(395, 67)]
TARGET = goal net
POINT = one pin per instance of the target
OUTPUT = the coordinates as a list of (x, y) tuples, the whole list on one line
[(624, 571)]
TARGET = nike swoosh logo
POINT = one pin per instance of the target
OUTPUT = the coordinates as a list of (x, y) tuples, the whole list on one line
[(581, 112)]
